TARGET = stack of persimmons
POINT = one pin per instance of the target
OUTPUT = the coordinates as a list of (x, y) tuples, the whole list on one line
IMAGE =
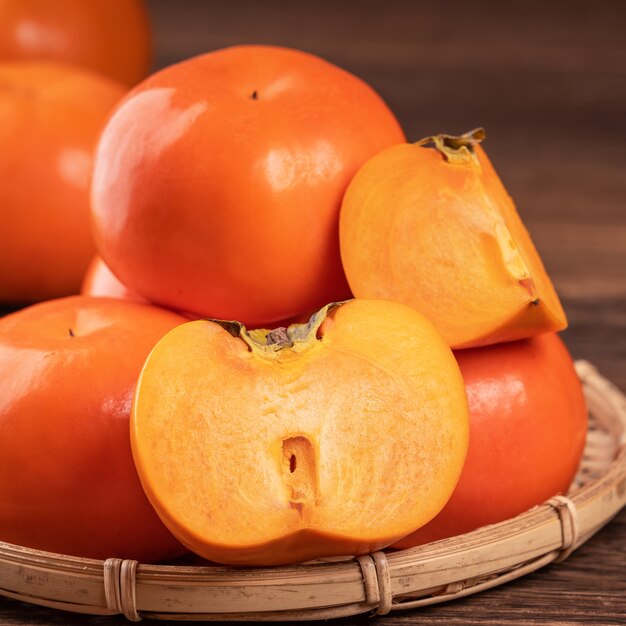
[(301, 336)]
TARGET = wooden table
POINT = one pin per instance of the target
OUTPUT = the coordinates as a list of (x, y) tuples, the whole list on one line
[(548, 81)]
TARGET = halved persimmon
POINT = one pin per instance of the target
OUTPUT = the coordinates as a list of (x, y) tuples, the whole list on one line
[(329, 438), (434, 228)]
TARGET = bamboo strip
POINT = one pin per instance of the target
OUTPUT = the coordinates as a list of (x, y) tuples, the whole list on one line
[(380, 582)]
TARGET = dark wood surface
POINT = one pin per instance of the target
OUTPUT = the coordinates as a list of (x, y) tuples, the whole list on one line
[(548, 81)]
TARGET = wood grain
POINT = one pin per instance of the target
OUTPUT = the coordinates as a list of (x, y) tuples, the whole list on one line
[(548, 81)]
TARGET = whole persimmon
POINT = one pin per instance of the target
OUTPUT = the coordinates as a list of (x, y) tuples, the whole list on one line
[(218, 182), (431, 225), (329, 438), (109, 37), (528, 424), (50, 117), (68, 370), (101, 282)]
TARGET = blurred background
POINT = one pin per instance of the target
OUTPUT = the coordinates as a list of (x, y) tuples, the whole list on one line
[(546, 79)]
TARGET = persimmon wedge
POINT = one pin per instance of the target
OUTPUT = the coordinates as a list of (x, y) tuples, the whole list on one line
[(272, 447), (434, 228)]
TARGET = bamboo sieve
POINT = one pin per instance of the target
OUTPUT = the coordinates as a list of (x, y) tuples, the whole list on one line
[(379, 583)]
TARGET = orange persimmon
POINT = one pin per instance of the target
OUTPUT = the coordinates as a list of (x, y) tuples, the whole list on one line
[(528, 424), (334, 437), (434, 228), (99, 281), (218, 182), (50, 117), (111, 37), (68, 370)]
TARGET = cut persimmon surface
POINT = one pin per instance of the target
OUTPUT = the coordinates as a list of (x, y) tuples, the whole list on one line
[(272, 447), (434, 228)]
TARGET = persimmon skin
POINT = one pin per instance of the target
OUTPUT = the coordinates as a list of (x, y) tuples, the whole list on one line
[(101, 282), (50, 117), (218, 182), (528, 423), (112, 38), (445, 238), (68, 370), (254, 455)]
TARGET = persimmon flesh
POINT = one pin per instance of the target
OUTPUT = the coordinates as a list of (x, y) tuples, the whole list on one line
[(528, 424), (434, 228), (218, 182), (272, 447), (68, 370)]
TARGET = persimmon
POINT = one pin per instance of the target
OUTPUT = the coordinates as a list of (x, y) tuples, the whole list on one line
[(99, 281), (434, 228), (267, 447), (528, 424), (112, 38), (68, 370), (218, 182), (50, 117)]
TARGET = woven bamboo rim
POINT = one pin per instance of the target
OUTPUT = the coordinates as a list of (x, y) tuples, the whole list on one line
[(379, 582)]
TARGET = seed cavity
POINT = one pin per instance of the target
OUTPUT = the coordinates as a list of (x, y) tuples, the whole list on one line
[(529, 284), (300, 473)]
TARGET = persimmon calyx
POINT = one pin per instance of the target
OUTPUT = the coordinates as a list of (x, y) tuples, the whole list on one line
[(271, 343), (456, 149)]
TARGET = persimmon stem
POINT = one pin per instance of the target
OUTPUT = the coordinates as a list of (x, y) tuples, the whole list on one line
[(269, 343), (457, 149), (279, 337)]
